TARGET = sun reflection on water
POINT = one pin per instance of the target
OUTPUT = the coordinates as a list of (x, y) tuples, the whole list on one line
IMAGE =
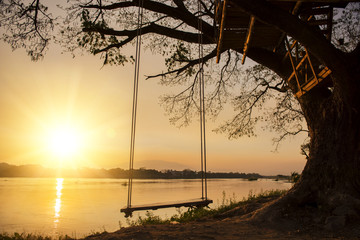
[(57, 207)]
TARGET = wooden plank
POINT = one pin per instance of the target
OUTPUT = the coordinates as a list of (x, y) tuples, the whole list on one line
[(217, 11), (297, 68), (248, 38), (324, 73), (307, 87), (289, 52), (199, 202), (314, 82), (330, 23), (292, 64), (311, 65), (219, 45)]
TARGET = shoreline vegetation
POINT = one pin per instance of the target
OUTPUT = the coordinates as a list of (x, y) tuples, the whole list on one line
[(224, 210), (228, 208), (7, 170)]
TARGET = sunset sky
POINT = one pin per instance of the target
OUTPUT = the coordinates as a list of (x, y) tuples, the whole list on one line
[(93, 104)]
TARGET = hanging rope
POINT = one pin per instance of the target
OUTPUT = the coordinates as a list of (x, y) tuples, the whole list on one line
[(135, 99), (204, 202), (202, 106)]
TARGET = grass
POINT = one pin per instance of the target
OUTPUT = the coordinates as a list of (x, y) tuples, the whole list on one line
[(193, 214)]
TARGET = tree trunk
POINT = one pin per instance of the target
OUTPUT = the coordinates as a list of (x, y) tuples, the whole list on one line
[(328, 192)]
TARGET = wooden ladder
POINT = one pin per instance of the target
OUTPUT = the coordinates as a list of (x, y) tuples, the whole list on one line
[(307, 74)]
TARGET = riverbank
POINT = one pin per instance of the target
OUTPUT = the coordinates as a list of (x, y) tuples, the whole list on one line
[(226, 229), (235, 223)]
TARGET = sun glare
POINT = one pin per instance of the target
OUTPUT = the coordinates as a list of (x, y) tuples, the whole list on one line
[(64, 142)]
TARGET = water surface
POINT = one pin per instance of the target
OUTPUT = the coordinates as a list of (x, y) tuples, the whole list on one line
[(78, 207)]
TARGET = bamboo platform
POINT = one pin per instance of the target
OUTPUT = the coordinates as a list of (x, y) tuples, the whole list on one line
[(199, 202), (241, 31)]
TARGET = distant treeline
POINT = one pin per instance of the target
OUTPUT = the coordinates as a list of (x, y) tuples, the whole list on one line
[(7, 170)]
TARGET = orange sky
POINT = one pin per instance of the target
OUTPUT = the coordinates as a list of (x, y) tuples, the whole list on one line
[(95, 100)]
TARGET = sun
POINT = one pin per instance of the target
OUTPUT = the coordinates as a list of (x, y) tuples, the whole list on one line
[(64, 142)]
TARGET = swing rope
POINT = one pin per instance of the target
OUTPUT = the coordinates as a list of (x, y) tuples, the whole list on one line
[(204, 202), (135, 99), (202, 106)]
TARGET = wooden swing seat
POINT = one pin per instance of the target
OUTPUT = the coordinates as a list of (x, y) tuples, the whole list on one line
[(198, 202)]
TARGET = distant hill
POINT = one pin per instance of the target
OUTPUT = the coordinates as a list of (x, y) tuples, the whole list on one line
[(7, 170)]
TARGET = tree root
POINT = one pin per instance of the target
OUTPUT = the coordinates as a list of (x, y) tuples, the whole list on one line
[(339, 214)]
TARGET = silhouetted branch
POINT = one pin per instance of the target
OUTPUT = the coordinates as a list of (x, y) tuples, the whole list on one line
[(178, 13), (187, 66), (152, 28), (27, 25)]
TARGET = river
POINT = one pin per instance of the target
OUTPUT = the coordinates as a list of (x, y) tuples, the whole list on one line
[(79, 207)]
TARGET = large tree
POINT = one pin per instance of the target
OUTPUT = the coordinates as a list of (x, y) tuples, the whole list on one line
[(330, 182)]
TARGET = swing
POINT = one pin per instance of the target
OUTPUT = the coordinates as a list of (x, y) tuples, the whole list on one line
[(192, 203)]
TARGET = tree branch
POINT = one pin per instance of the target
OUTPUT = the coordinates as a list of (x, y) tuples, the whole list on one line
[(152, 28), (27, 25), (269, 59), (180, 12), (188, 65), (313, 40)]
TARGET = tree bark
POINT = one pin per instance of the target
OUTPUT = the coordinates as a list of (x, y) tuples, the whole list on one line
[(328, 192)]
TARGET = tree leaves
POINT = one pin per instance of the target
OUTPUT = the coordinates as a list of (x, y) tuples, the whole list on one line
[(180, 56), (27, 25)]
